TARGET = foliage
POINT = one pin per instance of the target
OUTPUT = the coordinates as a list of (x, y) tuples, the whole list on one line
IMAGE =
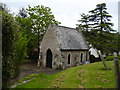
[(119, 57), (41, 17), (34, 22), (22, 13), (84, 22), (101, 18), (83, 76), (113, 44), (109, 58), (97, 28), (9, 37), (21, 47), (118, 42), (25, 30)]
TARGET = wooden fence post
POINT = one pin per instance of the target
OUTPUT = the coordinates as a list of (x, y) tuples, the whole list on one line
[(117, 73)]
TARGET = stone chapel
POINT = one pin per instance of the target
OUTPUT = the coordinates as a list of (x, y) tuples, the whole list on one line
[(63, 47)]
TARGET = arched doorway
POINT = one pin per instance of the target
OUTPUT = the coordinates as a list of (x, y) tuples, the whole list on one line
[(49, 58)]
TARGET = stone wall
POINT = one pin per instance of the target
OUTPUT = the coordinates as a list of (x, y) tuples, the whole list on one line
[(49, 42), (75, 58), (59, 58)]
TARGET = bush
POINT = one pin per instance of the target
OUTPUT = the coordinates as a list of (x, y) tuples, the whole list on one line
[(119, 57), (33, 56), (109, 58)]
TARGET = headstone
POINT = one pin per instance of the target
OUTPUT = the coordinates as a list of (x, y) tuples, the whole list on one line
[(87, 62), (102, 60)]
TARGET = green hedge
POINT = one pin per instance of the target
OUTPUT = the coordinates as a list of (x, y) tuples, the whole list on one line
[(110, 58), (119, 57)]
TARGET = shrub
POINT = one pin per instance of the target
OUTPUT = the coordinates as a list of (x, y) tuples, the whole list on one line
[(119, 57), (109, 58)]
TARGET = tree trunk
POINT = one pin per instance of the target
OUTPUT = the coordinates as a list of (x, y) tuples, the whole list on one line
[(105, 66)]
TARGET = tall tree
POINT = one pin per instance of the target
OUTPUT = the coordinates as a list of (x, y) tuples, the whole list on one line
[(9, 36), (101, 26), (35, 23), (101, 18), (99, 35), (25, 32), (41, 18), (98, 27), (84, 22), (85, 26), (22, 13)]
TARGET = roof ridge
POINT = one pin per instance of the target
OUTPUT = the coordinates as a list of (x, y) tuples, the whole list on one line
[(65, 27)]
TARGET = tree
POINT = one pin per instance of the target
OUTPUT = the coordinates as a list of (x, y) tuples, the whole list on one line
[(84, 22), (115, 44), (21, 47), (41, 17), (22, 13), (99, 35), (85, 26), (9, 36), (100, 18), (25, 33), (36, 21), (98, 27), (101, 25)]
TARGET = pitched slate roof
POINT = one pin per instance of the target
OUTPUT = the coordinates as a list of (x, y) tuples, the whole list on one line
[(70, 38)]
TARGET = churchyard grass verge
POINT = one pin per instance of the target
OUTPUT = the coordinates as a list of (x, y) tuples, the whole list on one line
[(84, 76)]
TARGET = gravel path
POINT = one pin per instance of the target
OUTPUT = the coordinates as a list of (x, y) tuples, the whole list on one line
[(27, 69)]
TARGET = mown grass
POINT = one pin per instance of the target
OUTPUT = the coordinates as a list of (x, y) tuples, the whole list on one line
[(84, 76)]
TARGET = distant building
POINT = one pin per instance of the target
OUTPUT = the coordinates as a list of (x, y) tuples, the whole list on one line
[(63, 47)]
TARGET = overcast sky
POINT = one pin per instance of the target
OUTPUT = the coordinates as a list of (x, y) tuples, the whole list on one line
[(67, 11)]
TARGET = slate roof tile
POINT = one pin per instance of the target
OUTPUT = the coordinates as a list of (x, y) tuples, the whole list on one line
[(70, 38)]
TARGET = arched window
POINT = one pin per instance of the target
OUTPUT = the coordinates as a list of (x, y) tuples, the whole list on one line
[(81, 57), (86, 56), (68, 58)]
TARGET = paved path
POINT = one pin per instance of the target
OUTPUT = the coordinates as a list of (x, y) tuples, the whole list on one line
[(27, 69)]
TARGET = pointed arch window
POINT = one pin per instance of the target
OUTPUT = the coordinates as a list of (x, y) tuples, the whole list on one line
[(81, 57), (68, 58)]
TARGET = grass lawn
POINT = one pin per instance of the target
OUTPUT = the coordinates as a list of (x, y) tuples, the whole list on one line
[(83, 76)]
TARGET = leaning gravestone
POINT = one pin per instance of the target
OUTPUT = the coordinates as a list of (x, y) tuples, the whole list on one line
[(103, 60)]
